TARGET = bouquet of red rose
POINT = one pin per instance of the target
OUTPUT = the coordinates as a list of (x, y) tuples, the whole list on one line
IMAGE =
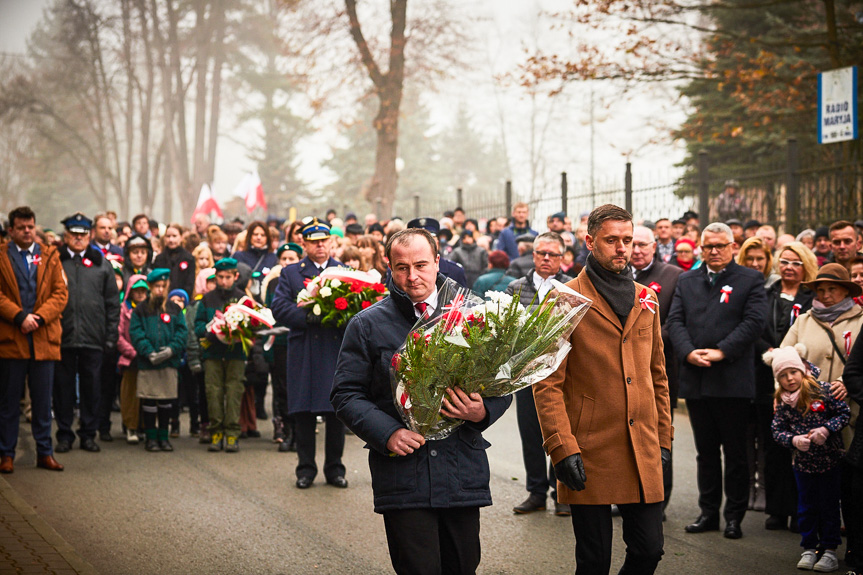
[(241, 322), (494, 348), (338, 294)]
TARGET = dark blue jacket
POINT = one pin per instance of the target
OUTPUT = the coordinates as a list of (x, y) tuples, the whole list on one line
[(252, 256), (112, 249), (452, 472), (698, 319), (506, 240), (312, 350)]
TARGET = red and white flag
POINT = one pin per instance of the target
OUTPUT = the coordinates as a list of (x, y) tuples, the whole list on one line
[(251, 190), (206, 203)]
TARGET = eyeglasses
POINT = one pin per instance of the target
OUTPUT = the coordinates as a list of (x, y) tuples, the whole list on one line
[(641, 245), (791, 263), (544, 254), (714, 247)]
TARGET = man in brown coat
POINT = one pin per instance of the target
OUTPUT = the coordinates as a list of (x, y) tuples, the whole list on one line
[(605, 412), (32, 296)]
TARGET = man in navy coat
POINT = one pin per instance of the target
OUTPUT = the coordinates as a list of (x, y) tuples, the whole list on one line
[(429, 492), (717, 314), (312, 353)]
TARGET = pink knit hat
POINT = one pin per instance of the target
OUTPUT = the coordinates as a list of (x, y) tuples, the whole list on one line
[(201, 280), (782, 358)]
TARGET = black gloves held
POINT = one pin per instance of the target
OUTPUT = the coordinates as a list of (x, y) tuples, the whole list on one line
[(570, 472)]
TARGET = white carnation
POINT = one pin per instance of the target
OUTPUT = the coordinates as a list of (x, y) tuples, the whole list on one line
[(317, 309), (335, 283), (326, 291)]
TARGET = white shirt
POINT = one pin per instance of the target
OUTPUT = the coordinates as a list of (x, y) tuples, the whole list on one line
[(28, 252), (431, 302), (543, 286), (73, 254)]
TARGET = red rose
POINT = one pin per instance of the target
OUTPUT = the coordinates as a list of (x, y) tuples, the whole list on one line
[(415, 336), (356, 288), (341, 303), (380, 288), (365, 304), (249, 303), (396, 361), (817, 406)]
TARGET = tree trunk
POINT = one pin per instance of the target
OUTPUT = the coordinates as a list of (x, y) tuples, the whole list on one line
[(146, 96), (218, 24), (388, 86), (202, 60)]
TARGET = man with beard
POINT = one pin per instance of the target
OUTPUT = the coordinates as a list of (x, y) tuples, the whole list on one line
[(224, 364), (429, 492), (604, 412), (90, 323), (33, 294)]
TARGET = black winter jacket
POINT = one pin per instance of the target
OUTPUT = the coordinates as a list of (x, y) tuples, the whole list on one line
[(92, 314), (452, 472)]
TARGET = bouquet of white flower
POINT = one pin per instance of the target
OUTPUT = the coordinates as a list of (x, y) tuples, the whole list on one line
[(494, 348)]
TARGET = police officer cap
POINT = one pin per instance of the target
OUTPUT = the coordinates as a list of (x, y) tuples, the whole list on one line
[(428, 224), (78, 223), (289, 246), (734, 222), (752, 224), (158, 275), (316, 230), (225, 264)]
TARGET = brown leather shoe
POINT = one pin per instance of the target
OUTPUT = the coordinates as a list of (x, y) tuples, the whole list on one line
[(6, 465), (48, 462)]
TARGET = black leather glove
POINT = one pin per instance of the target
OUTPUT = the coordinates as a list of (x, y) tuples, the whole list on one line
[(570, 472), (665, 455), (312, 319)]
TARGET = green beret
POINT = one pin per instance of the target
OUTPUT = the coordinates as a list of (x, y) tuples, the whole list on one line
[(140, 284), (226, 264), (158, 274), (337, 232), (296, 248)]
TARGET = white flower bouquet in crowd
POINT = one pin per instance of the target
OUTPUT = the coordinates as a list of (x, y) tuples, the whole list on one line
[(242, 322), (494, 348)]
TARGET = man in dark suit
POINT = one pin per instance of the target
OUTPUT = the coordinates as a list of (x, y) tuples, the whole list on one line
[(90, 323), (32, 296), (101, 236), (429, 492), (312, 353), (547, 254), (717, 314), (648, 269)]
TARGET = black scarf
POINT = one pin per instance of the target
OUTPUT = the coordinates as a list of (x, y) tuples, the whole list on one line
[(617, 289)]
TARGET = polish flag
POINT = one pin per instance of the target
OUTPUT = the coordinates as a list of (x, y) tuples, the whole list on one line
[(206, 203), (251, 190)]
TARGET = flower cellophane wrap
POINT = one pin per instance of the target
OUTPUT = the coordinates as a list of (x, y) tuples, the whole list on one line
[(338, 294), (493, 347), (241, 323)]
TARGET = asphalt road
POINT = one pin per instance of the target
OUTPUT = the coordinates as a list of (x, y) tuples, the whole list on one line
[(127, 511)]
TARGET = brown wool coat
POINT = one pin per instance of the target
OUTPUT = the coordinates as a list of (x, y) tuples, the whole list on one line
[(51, 296), (608, 400)]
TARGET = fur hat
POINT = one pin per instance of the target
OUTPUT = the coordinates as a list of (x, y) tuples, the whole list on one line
[(782, 358)]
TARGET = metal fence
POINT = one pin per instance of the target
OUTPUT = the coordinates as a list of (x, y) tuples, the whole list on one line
[(790, 197)]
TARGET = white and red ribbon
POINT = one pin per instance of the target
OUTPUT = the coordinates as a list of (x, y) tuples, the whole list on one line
[(87, 263), (655, 287), (795, 312), (726, 294), (847, 337), (37, 259), (646, 302)]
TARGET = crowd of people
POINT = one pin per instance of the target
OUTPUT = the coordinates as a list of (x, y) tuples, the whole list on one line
[(757, 332)]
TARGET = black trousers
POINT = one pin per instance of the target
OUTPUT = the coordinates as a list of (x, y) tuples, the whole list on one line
[(852, 513), (539, 471), (642, 533), (780, 487), (721, 422), (433, 541), (109, 381), (279, 374), (668, 472), (187, 395), (86, 365), (334, 446)]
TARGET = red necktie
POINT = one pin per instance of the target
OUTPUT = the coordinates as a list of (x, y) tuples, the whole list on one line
[(421, 307), (104, 251)]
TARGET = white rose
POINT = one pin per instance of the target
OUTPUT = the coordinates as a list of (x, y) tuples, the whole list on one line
[(335, 283), (317, 309), (325, 292)]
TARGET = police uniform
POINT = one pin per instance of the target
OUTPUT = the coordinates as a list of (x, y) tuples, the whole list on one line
[(312, 354)]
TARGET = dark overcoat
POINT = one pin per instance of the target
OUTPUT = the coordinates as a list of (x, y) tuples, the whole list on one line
[(312, 349), (451, 472), (700, 320)]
